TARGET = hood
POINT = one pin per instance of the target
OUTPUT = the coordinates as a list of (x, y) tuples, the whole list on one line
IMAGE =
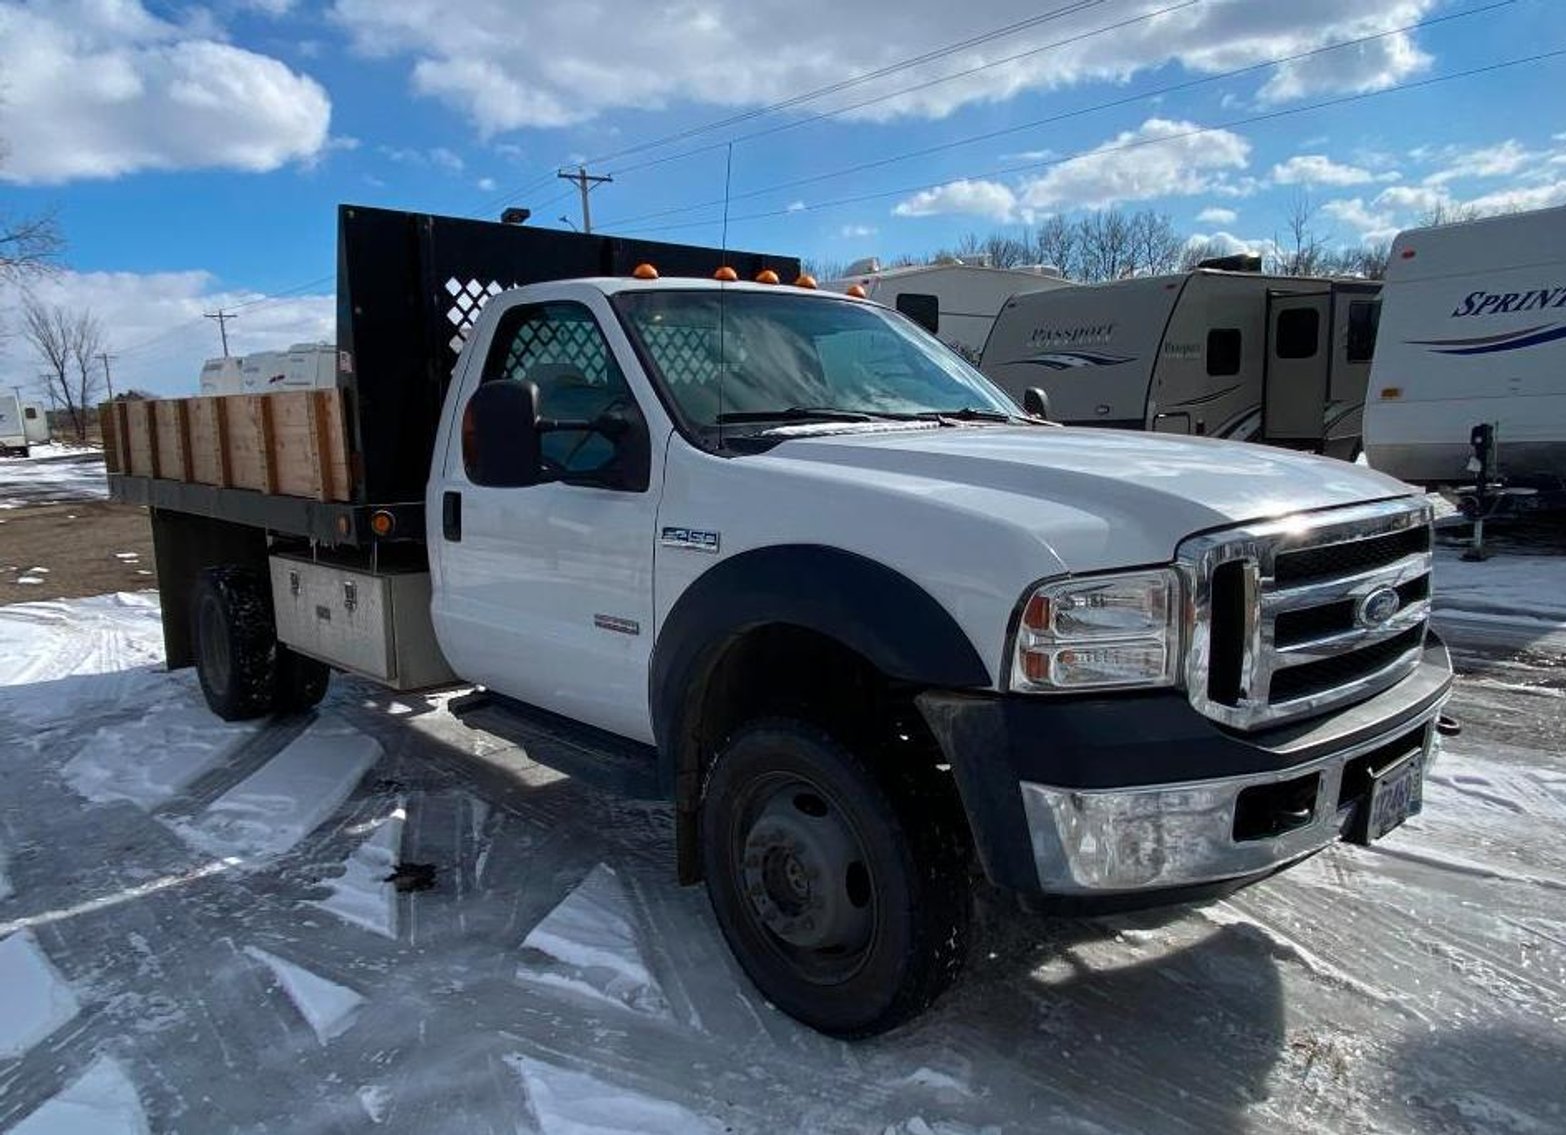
[(1099, 498)]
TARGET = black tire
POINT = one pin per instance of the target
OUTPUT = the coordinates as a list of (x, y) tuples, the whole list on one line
[(301, 682), (843, 894), (234, 642)]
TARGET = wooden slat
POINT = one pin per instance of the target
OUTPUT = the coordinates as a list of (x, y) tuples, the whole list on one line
[(171, 418), (248, 459), (209, 443), (122, 426), (141, 432), (108, 424)]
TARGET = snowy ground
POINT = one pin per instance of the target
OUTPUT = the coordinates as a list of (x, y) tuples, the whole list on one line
[(52, 473), (195, 936)]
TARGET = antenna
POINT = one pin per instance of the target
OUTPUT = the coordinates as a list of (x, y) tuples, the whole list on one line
[(723, 287)]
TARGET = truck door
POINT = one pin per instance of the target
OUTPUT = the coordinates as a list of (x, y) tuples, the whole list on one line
[(1295, 384), (544, 593)]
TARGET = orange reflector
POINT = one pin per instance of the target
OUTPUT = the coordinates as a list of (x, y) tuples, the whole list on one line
[(1035, 616), (726, 274), (805, 281), (1409, 254), (766, 276), (382, 522), (858, 291), (1391, 392), (645, 272), (344, 526)]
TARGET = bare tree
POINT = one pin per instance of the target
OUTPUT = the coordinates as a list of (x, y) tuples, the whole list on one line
[(1447, 213), (68, 344), (1155, 246), (1056, 242), (1105, 246), (1302, 252)]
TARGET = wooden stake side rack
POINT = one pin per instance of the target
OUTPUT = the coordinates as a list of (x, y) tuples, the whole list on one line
[(287, 443)]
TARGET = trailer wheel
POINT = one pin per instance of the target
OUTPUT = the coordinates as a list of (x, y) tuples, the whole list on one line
[(234, 642), (843, 894), (301, 681)]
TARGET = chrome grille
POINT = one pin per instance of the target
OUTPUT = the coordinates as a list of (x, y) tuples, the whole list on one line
[(1278, 624)]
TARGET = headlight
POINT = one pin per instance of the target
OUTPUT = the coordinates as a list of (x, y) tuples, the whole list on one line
[(1099, 633)]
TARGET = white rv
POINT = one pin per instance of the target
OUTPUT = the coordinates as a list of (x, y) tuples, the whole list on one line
[(1276, 359), (22, 425), (222, 376), (953, 300), (304, 366), (1473, 332)]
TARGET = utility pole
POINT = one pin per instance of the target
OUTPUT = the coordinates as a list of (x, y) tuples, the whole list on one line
[(222, 318), (107, 380), (584, 183)]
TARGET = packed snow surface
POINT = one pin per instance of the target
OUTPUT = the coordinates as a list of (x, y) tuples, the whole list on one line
[(201, 936), (50, 475)]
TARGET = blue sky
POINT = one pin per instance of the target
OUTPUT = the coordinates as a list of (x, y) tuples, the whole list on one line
[(194, 154)]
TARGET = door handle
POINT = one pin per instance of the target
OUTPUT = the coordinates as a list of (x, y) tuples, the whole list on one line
[(451, 516)]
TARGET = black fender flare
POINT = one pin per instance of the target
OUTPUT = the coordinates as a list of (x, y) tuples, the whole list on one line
[(871, 609)]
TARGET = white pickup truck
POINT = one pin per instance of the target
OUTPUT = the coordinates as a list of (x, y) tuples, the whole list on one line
[(779, 557)]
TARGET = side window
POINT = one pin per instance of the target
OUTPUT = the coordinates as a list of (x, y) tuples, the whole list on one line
[(923, 310), (559, 348), (1298, 332), (31, 413), (1364, 320), (1223, 351)]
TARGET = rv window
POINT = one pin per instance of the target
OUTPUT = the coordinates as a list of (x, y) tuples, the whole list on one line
[(1223, 351), (31, 413), (1364, 319), (1299, 328), (923, 310)]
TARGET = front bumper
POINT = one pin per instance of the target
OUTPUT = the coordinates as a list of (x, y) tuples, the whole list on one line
[(1142, 795)]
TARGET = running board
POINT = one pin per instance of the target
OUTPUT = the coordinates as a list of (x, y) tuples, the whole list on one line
[(602, 759)]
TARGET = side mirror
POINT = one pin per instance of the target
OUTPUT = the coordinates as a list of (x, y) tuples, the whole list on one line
[(500, 435), (1035, 403)]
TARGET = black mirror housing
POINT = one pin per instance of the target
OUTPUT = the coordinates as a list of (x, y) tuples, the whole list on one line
[(500, 435), (1035, 403)]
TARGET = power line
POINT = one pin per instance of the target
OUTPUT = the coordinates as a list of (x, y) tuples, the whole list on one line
[(1070, 9), (1139, 143), (848, 108), (1111, 104)]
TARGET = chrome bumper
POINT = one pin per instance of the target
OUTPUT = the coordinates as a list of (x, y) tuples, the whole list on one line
[(1104, 841)]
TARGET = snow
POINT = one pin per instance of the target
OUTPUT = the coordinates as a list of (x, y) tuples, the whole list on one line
[(51, 475), (37, 1000), (45, 648), (327, 1007), (102, 1102), (5, 879), (1508, 585), (270, 811), (153, 759), (361, 895), (572, 1103), (590, 937)]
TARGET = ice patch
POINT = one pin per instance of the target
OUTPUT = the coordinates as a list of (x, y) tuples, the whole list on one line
[(327, 1006), (376, 1101), (1510, 586), (116, 639), (28, 579), (590, 943), (37, 999), (153, 759), (102, 1102), (574, 1103), (361, 894), (1286, 948), (274, 808), (5, 879)]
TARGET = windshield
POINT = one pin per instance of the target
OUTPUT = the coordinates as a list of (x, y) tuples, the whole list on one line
[(785, 357)]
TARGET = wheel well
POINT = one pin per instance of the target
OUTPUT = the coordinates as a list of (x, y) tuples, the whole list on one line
[(783, 670)]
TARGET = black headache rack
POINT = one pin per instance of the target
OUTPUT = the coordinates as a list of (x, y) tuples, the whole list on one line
[(409, 289)]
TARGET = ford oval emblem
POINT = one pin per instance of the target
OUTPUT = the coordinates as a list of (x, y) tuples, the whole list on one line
[(1378, 607)]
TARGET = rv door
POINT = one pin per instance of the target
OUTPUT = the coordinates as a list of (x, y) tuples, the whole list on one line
[(1298, 368)]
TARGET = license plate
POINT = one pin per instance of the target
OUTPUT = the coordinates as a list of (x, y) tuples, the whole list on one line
[(1396, 794)]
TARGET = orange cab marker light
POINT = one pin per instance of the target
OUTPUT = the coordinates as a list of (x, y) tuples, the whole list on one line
[(805, 281), (726, 274), (766, 276), (645, 272), (857, 291), (382, 522)]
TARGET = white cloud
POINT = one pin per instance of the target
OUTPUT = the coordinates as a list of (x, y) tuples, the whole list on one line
[(1227, 244), (1318, 169), (153, 323), (795, 207), (100, 88), (856, 232), (565, 64), (486, 185), (1520, 197), (1214, 215), (988, 199), (1161, 158), (1372, 222), (1500, 160)]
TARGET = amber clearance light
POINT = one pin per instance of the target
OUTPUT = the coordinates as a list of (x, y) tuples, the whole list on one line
[(726, 274), (645, 272)]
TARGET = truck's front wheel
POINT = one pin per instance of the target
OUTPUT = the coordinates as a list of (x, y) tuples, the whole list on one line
[(842, 893)]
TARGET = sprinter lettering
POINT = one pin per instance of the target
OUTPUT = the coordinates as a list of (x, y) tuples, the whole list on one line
[(1507, 303)]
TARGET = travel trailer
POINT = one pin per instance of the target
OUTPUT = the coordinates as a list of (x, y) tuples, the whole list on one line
[(304, 366), (1276, 359), (954, 300), (22, 425), (1473, 333)]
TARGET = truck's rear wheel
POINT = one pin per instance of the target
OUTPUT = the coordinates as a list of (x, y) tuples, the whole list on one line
[(843, 899), (301, 681), (234, 642)]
